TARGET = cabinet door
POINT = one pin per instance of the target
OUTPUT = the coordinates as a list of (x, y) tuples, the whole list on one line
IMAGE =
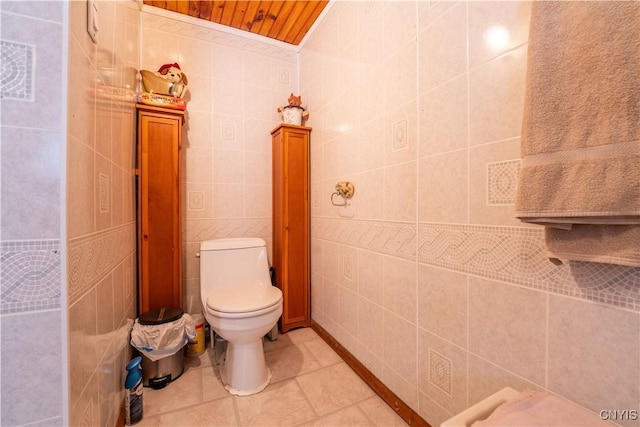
[(291, 223), (159, 212), (296, 226)]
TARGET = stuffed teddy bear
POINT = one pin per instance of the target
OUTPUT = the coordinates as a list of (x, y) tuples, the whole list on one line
[(294, 101), (293, 113)]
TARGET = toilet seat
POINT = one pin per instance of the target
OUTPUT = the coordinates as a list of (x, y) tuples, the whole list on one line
[(243, 301)]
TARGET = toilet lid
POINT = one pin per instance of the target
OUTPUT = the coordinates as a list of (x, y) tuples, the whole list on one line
[(243, 299)]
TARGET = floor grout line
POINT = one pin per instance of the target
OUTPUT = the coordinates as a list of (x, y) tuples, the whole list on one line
[(325, 357)]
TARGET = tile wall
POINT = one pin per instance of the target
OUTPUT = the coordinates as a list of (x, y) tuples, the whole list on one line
[(31, 143), (235, 87), (427, 277), (101, 219), (454, 298)]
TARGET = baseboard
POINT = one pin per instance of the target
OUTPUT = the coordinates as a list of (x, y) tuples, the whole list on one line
[(402, 409)]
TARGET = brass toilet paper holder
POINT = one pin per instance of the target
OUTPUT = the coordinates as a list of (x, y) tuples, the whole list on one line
[(345, 189)]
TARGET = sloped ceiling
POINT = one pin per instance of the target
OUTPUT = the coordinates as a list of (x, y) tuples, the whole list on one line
[(287, 21)]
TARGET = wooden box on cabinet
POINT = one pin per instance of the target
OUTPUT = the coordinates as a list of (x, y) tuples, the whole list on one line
[(159, 222), (290, 145)]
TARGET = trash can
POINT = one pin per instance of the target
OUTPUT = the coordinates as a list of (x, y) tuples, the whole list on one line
[(159, 336)]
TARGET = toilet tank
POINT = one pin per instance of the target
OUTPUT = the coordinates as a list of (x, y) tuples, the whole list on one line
[(233, 262)]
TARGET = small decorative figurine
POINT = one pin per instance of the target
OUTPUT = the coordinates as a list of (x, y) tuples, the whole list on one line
[(174, 74), (293, 113), (165, 87)]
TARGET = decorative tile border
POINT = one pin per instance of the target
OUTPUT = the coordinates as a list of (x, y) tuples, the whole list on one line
[(198, 230), (91, 257), (518, 255), (510, 254), (200, 32), (30, 275), (17, 81), (392, 238)]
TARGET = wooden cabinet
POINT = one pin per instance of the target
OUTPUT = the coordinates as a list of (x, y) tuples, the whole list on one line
[(159, 221), (290, 145)]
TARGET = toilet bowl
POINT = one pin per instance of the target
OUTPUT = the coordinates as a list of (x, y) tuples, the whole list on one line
[(240, 305)]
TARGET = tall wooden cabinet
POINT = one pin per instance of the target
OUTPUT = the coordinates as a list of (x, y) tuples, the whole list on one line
[(290, 145), (159, 221)]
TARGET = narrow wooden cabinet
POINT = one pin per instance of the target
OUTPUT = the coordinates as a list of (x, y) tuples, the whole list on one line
[(290, 145), (159, 220)]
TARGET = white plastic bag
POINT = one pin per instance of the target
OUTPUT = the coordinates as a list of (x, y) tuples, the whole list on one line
[(159, 341)]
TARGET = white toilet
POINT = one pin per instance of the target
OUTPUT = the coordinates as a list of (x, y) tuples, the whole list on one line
[(241, 305)]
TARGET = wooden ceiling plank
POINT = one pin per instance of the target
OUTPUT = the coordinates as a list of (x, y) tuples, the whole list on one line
[(237, 20), (227, 12), (250, 15), (304, 29), (183, 7), (283, 17), (271, 17), (298, 19), (194, 8), (157, 3), (172, 5), (217, 8), (205, 8), (263, 10)]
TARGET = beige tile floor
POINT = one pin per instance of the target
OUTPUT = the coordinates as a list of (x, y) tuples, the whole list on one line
[(311, 386)]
